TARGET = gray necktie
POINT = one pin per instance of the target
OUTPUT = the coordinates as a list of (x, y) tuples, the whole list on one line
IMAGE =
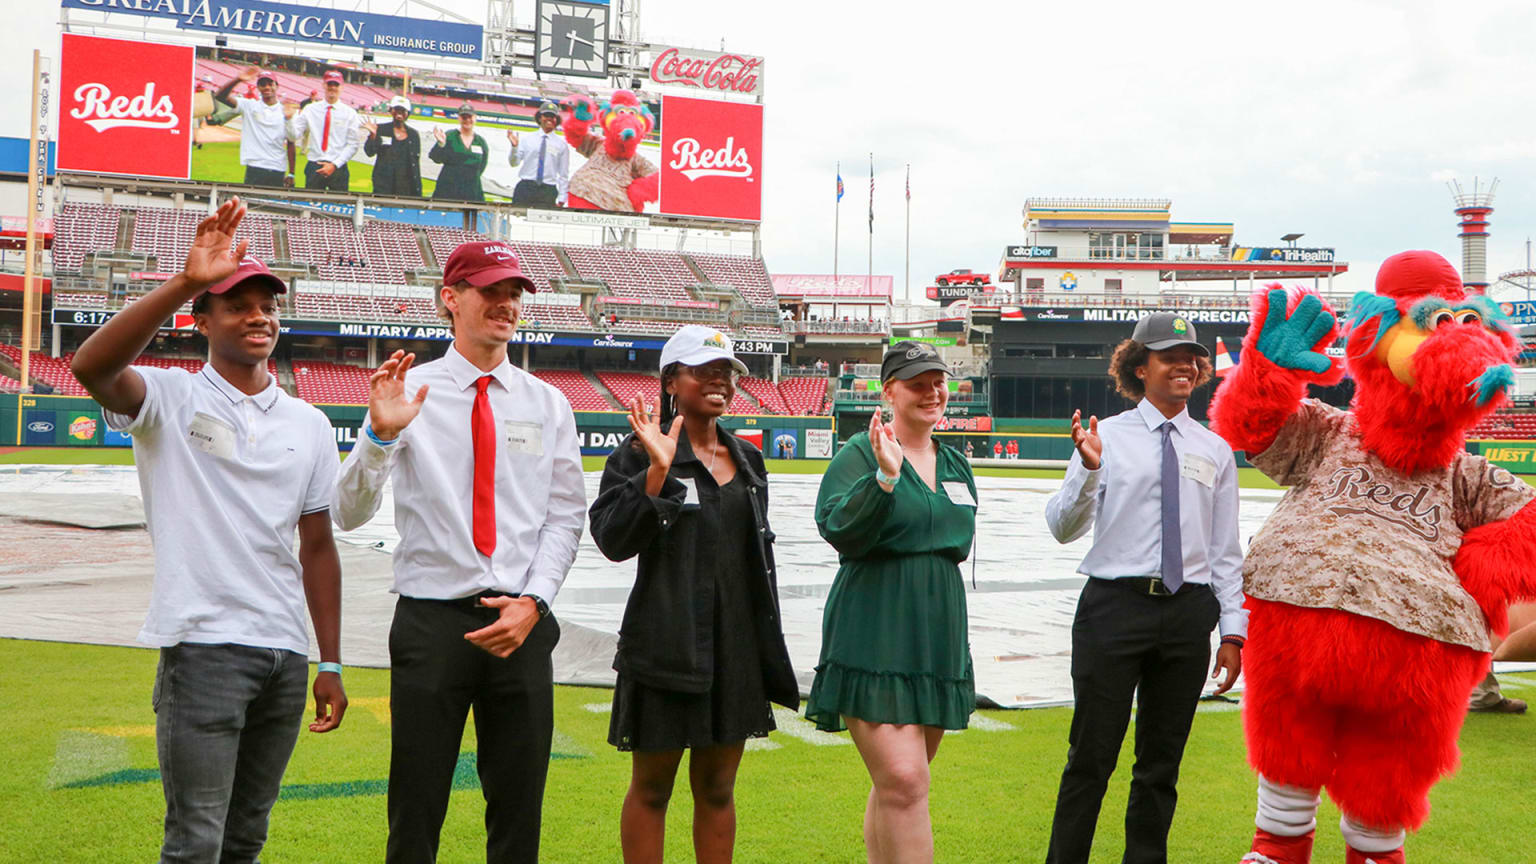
[(543, 147), (1173, 541)]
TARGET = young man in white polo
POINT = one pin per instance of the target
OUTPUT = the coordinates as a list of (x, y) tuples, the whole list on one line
[(230, 466), (490, 505)]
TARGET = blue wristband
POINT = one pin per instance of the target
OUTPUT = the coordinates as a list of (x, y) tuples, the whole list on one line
[(884, 480), (376, 439), (331, 667)]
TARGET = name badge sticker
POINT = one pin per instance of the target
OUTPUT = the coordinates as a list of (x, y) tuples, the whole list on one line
[(959, 493), (524, 437), (691, 499), (1199, 469), (211, 435), (386, 140)]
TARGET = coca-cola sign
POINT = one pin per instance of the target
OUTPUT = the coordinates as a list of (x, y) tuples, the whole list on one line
[(712, 158), (127, 107), (707, 70)]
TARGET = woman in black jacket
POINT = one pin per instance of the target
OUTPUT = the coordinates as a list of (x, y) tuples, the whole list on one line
[(396, 152), (701, 650)]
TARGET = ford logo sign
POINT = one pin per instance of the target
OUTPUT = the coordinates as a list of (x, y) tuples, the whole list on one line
[(39, 426)]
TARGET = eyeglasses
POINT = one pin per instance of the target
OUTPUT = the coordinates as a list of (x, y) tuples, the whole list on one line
[(713, 373)]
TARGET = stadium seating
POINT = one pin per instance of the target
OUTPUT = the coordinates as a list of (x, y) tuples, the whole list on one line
[(79, 299), (659, 277), (292, 87), (9, 385), (624, 385), (53, 371), (167, 234), (582, 395), (330, 383), (82, 228), (332, 245), (804, 395), (391, 246), (747, 275), (766, 393), (1505, 426), (556, 317)]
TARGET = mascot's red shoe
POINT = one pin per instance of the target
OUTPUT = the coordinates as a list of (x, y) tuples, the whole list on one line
[(615, 176), (1273, 849), (1374, 585), (1355, 856)]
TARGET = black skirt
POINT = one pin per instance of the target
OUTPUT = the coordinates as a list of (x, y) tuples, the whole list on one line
[(736, 707)]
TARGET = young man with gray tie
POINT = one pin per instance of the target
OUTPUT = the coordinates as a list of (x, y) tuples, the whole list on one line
[(1165, 568)]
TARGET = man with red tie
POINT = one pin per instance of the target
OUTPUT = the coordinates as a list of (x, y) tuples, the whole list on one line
[(489, 503), (332, 129)]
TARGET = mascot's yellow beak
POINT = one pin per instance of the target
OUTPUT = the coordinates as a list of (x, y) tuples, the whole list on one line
[(1397, 347)]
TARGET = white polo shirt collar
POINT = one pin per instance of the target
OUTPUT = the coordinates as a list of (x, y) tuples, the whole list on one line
[(263, 400), (465, 373)]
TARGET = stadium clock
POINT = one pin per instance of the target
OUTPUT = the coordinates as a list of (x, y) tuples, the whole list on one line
[(571, 39)]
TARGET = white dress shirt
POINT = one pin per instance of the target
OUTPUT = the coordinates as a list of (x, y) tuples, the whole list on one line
[(344, 140), (263, 134), (225, 477), (557, 160), (540, 498), (1122, 502)]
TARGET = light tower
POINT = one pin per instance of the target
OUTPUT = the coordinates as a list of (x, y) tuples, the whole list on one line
[(1472, 208)]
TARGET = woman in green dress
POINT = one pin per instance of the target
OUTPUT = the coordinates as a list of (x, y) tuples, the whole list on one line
[(895, 669), (463, 155)]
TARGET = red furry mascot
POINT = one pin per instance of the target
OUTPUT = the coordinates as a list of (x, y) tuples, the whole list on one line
[(1374, 584), (615, 176)]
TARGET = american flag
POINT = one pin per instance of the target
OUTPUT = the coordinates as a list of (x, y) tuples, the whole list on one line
[(909, 182), (871, 193)]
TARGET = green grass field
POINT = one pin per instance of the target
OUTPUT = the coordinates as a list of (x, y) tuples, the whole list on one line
[(219, 162), (79, 782)]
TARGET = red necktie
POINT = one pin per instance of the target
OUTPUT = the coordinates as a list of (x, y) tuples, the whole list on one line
[(325, 134), (482, 424)]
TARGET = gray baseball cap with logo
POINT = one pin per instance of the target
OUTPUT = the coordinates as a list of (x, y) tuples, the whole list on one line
[(1162, 330)]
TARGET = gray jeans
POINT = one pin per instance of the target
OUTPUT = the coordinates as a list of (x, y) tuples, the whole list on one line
[(226, 720)]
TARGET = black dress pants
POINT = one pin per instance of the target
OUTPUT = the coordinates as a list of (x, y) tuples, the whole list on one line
[(534, 193), (435, 676), (336, 182), (1158, 648)]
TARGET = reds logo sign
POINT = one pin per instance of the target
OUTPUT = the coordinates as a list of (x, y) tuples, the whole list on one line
[(712, 161), (127, 107)]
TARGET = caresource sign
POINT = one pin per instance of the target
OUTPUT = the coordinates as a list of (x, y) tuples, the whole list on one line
[(707, 70), (711, 158), (125, 107)]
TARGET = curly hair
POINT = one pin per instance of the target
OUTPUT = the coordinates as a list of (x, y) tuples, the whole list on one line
[(1131, 355)]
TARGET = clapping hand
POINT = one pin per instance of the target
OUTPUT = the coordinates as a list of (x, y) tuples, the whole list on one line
[(389, 411), (882, 440), (660, 446), (1087, 441), (210, 259)]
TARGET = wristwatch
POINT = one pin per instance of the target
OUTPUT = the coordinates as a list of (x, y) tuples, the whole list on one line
[(539, 604)]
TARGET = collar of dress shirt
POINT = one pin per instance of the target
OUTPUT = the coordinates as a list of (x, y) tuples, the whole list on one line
[(1154, 418), (264, 400), (465, 373)]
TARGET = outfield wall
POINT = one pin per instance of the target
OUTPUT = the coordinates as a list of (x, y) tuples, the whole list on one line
[(76, 421)]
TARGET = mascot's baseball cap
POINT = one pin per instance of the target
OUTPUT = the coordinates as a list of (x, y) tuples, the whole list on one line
[(696, 345), (481, 263), (548, 108), (907, 359), (250, 268), (1163, 330), (1408, 276), (332, 75)]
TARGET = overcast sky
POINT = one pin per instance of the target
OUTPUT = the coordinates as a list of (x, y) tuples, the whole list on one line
[(1342, 119)]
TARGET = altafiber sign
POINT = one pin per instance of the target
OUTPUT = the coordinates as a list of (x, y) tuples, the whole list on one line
[(125, 107), (289, 21)]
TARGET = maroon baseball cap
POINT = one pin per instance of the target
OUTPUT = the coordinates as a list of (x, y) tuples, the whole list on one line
[(482, 263), (250, 268), (264, 75), (333, 75)]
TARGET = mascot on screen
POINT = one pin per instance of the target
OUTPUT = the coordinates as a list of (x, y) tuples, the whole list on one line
[(1376, 581), (615, 176)]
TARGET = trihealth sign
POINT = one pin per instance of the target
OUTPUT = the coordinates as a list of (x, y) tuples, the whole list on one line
[(1287, 254), (271, 20)]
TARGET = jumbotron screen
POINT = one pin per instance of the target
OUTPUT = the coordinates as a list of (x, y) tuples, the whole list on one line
[(297, 123)]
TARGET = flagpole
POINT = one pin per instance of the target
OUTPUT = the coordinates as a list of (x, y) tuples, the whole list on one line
[(869, 274), (837, 220), (906, 291)]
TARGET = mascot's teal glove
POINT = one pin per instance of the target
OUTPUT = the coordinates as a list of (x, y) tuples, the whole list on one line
[(581, 108), (1288, 342)]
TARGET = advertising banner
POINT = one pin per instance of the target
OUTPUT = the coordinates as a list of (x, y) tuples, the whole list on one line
[(1520, 311), (818, 443), (814, 286), (708, 70), (126, 107), (306, 23), (1289, 254), (711, 158), (1030, 252), (1126, 315), (784, 445)]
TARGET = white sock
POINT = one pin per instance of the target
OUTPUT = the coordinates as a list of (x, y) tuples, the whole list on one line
[(1286, 811), (1364, 839)]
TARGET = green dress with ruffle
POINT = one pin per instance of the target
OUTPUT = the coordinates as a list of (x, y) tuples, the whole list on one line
[(894, 642)]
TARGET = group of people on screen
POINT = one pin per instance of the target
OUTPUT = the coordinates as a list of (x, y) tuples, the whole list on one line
[(328, 133)]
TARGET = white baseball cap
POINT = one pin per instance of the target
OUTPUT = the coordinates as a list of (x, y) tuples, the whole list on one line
[(696, 345), (400, 102)]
